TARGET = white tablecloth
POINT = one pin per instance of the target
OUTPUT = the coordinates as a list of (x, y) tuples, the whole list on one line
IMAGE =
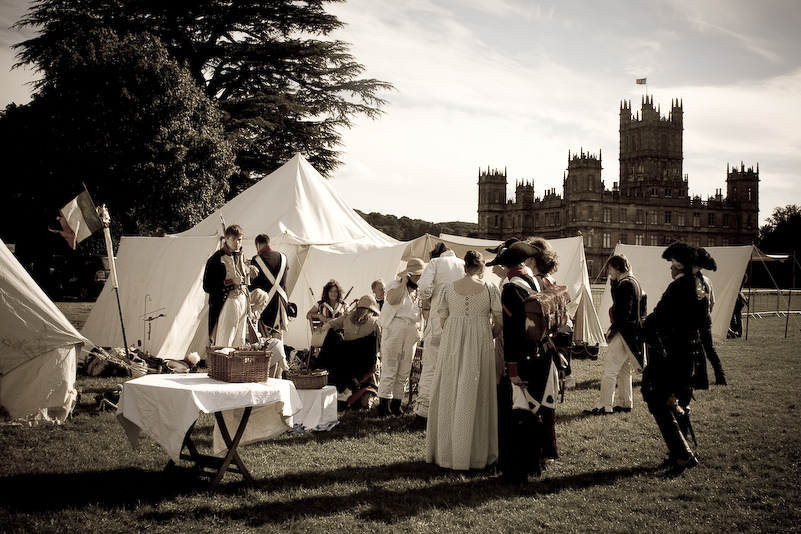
[(319, 408), (166, 406)]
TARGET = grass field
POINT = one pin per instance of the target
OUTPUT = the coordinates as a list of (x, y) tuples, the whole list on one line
[(369, 474)]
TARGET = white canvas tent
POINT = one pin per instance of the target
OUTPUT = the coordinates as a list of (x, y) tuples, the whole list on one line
[(653, 272), (38, 349), (572, 273), (305, 218), (163, 304)]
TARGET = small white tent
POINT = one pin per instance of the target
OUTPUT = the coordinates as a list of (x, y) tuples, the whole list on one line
[(572, 273), (305, 218), (653, 272), (39, 348)]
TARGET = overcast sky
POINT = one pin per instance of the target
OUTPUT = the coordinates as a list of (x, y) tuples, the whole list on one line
[(517, 84)]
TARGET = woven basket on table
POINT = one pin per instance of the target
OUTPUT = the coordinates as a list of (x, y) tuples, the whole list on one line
[(238, 366), (314, 379)]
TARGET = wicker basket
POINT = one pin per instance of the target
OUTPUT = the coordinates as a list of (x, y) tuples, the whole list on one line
[(238, 366), (314, 379)]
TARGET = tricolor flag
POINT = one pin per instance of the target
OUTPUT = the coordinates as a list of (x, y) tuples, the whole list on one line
[(78, 219), (641, 81)]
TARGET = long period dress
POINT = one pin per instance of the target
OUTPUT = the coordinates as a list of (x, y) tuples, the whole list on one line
[(462, 431)]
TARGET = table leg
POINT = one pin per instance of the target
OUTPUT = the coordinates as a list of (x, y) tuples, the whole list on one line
[(232, 444)]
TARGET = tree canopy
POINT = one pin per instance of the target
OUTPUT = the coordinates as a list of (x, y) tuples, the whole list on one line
[(782, 233), (119, 115), (282, 87)]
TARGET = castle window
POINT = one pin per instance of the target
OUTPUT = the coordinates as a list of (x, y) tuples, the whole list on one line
[(496, 221), (536, 220), (607, 215), (696, 219), (725, 220), (668, 217), (668, 193), (623, 215), (639, 239), (654, 217), (696, 241), (572, 213), (710, 219), (725, 242), (640, 217), (589, 212), (710, 242), (748, 222), (624, 239), (749, 195), (680, 219), (607, 240), (654, 240), (654, 192)]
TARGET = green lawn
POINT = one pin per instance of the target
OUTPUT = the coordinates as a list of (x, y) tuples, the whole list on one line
[(369, 475)]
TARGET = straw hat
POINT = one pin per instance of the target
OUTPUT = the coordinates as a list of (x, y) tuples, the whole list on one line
[(369, 302), (414, 266)]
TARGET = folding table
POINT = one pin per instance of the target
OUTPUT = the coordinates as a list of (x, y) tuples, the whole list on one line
[(166, 408)]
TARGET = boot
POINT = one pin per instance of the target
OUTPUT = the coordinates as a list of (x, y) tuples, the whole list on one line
[(395, 407), (383, 408), (720, 377), (679, 450)]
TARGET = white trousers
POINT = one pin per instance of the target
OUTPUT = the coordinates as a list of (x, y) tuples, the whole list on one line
[(430, 357), (398, 344), (230, 329), (617, 372)]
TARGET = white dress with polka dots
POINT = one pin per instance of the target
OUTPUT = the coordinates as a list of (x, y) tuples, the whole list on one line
[(462, 431)]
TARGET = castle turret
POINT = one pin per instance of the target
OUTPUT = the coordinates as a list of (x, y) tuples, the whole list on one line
[(742, 190), (491, 202)]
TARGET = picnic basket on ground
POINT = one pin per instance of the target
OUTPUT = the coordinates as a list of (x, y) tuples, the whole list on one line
[(238, 365), (308, 379)]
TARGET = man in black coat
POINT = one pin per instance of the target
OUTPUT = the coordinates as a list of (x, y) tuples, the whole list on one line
[(273, 270), (674, 348), (624, 350)]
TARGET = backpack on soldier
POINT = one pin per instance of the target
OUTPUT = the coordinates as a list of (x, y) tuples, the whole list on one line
[(546, 310)]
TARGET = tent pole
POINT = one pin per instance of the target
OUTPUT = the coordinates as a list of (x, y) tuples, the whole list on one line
[(106, 220), (789, 298), (750, 295)]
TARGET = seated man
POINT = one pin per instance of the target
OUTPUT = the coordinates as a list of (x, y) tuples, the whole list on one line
[(351, 360)]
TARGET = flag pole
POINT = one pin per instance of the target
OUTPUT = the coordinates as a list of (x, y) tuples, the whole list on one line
[(102, 212)]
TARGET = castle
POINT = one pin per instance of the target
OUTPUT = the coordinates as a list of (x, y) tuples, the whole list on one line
[(649, 205)]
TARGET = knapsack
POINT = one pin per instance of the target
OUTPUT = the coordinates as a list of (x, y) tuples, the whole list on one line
[(546, 310)]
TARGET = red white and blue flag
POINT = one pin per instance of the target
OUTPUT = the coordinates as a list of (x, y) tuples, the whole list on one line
[(641, 81)]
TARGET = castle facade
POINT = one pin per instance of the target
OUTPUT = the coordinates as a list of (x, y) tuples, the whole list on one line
[(649, 205)]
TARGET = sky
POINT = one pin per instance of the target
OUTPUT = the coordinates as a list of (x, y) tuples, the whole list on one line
[(518, 85)]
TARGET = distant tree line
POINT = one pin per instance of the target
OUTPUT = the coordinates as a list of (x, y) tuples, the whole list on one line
[(406, 229)]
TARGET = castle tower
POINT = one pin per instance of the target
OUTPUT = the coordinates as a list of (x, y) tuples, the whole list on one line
[(583, 178), (742, 191), (491, 203), (651, 151)]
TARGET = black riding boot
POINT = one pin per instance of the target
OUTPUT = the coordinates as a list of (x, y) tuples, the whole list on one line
[(681, 455), (383, 408), (395, 407)]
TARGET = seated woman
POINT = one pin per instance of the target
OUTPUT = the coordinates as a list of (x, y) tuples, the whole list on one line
[(330, 306), (351, 360)]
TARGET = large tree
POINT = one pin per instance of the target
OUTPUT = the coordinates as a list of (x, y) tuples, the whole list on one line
[(782, 233), (121, 116), (283, 87)]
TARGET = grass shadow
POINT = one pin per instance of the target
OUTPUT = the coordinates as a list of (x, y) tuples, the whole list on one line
[(378, 501)]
